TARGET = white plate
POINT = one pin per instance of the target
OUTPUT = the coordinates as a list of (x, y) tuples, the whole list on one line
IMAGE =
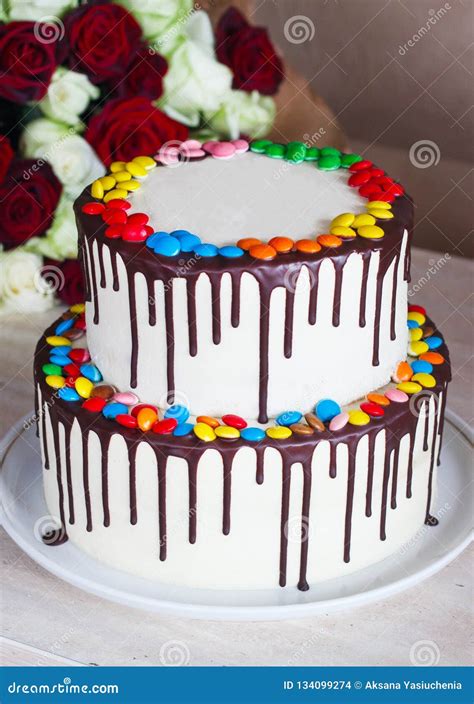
[(22, 506)]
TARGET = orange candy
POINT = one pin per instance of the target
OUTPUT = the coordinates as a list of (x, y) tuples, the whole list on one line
[(403, 373), (208, 420), (329, 240), (281, 244), (146, 419), (378, 398), (248, 242), (262, 251), (308, 246), (432, 357)]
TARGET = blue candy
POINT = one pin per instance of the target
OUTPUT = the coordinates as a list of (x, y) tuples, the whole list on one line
[(181, 233), (419, 366), (91, 372), (231, 252), (64, 325), (68, 394), (183, 429), (327, 409), (252, 434), (60, 359), (179, 413), (153, 239), (111, 410), (206, 250), (61, 349), (412, 324), (433, 342), (188, 242), (288, 418), (167, 246)]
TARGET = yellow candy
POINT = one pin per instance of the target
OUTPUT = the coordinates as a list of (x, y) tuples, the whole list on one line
[(426, 380), (57, 340), (78, 308), (370, 232), (117, 166), (204, 432), (417, 317), (146, 161), (279, 432), (107, 182), (343, 220), (122, 176), (227, 432), (97, 190), (131, 185), (342, 231), (417, 348), (379, 204), (363, 219), (136, 170), (358, 418), (409, 387), (381, 214), (83, 386), (116, 193), (415, 334), (55, 381)]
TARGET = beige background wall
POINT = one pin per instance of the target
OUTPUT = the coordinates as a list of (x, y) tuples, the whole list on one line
[(388, 95)]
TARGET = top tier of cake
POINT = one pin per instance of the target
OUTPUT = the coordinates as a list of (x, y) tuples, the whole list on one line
[(216, 327)]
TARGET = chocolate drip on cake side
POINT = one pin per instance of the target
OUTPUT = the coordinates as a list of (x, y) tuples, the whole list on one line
[(366, 256), (431, 520)]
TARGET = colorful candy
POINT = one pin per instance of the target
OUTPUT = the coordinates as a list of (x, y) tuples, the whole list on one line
[(178, 412), (409, 387), (326, 409), (234, 421), (426, 380), (83, 386), (372, 409), (288, 418), (204, 432), (227, 432), (111, 410), (252, 434), (279, 432), (314, 422), (146, 419), (339, 422), (163, 427), (396, 395), (357, 417)]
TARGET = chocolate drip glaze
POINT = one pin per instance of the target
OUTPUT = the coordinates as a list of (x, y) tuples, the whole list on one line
[(151, 302), (349, 503), (161, 462), (410, 466), (332, 460), (431, 520), (336, 307), (44, 438), (191, 304), (427, 426), (93, 281), (441, 420), (393, 304), (386, 477), (114, 265), (285, 509), (70, 495), (169, 322), (305, 525), (370, 473), (313, 294), (85, 480), (227, 460), (59, 481), (363, 288), (393, 496), (260, 456), (104, 449), (263, 375), (100, 255), (289, 313), (216, 308), (235, 308), (132, 458), (132, 297), (192, 479)]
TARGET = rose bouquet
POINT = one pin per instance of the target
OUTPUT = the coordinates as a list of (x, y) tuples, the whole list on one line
[(84, 85)]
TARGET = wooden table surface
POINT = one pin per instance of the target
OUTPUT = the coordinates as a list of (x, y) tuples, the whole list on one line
[(48, 622)]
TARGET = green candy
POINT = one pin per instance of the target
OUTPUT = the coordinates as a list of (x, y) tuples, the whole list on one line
[(52, 370), (276, 151), (260, 145), (329, 151), (312, 154), (331, 162), (296, 152), (349, 159)]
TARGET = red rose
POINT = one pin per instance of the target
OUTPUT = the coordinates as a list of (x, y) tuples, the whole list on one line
[(6, 156), (127, 128), (71, 290), (27, 61), (103, 40), (249, 52), (28, 197), (144, 76)]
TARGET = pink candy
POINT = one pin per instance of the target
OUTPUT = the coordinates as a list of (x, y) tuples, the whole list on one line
[(126, 397), (396, 395), (339, 421), (191, 144), (220, 150), (241, 146)]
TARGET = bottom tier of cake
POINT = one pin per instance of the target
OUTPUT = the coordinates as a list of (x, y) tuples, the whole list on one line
[(232, 514)]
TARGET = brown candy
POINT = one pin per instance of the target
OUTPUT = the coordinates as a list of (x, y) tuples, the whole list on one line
[(301, 429), (73, 333), (314, 422), (428, 331), (104, 391)]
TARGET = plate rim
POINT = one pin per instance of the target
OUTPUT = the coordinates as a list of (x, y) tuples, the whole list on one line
[(220, 612)]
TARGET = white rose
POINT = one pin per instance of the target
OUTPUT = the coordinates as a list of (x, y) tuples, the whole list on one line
[(43, 134), (60, 241), (251, 114), (22, 287), (162, 22), (38, 9), (69, 93), (195, 81)]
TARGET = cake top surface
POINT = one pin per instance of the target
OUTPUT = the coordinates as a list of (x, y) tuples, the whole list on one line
[(222, 201)]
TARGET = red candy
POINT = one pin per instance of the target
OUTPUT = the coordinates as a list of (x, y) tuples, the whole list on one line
[(375, 173), (114, 231), (126, 420), (416, 309), (165, 426), (118, 203), (149, 230), (93, 208), (234, 421), (369, 190), (80, 323), (396, 189), (114, 217), (360, 166), (72, 370), (95, 405), (134, 233), (136, 409), (70, 381), (80, 355), (359, 178), (138, 219), (372, 409), (384, 196)]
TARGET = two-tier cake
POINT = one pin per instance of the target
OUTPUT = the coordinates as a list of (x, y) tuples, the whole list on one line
[(245, 400)]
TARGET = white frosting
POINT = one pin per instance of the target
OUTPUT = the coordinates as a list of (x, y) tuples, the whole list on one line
[(247, 558), (247, 196)]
